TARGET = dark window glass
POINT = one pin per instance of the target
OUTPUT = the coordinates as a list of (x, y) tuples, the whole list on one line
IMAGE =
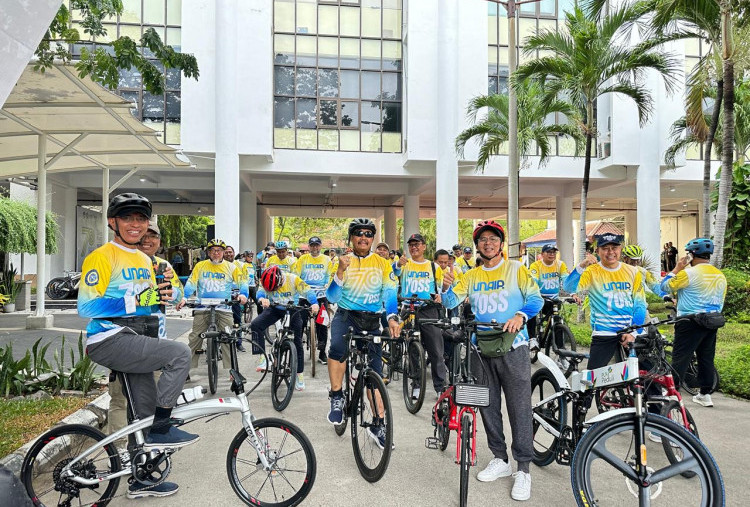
[(328, 109), (283, 79), (283, 112), (306, 83), (370, 85), (391, 86), (371, 116), (173, 107), (307, 113), (153, 107), (328, 83), (129, 78), (492, 85), (391, 117), (173, 79), (350, 114)]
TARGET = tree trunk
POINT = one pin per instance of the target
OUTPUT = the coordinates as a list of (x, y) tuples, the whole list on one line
[(727, 155), (590, 136), (707, 158)]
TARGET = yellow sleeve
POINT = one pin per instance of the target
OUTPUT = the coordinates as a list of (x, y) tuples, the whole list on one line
[(296, 268), (534, 269), (585, 282), (679, 281), (563, 268), (97, 267), (461, 289)]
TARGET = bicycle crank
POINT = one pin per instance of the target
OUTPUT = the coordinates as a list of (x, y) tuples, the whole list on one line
[(151, 468)]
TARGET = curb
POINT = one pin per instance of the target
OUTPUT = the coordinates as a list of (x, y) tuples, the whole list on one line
[(93, 414)]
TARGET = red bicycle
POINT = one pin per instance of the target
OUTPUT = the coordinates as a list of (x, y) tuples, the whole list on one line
[(456, 407)]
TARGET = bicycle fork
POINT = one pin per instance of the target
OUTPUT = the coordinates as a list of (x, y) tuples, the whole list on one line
[(455, 423), (257, 441)]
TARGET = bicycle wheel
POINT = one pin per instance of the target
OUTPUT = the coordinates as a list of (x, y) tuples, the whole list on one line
[(372, 459), (57, 288), (563, 339), (290, 455), (466, 441), (611, 398), (553, 412), (283, 375), (414, 376), (212, 358), (442, 430), (313, 346), (603, 471), (672, 412), (40, 471), (247, 315)]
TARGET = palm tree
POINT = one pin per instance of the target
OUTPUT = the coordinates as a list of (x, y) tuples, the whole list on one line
[(590, 59), (491, 131)]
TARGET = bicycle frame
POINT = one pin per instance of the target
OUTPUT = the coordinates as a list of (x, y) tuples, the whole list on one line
[(456, 415)]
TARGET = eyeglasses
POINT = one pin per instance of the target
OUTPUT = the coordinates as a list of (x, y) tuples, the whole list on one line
[(215, 249), (360, 233), (151, 237), (415, 244), (490, 239)]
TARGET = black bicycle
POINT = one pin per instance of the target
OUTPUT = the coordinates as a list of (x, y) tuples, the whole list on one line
[(214, 338), (553, 335), (283, 357)]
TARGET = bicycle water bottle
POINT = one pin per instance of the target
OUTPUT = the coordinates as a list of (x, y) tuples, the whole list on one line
[(190, 395)]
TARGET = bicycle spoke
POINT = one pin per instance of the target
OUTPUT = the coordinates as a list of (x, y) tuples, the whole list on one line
[(673, 470), (600, 451)]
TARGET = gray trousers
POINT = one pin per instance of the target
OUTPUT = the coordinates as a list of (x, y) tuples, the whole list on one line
[(201, 321), (512, 374)]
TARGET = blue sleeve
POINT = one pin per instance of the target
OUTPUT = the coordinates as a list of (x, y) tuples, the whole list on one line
[(664, 286), (334, 291), (261, 293), (396, 269), (390, 299), (449, 298), (310, 296), (189, 289), (571, 283), (532, 304), (176, 294), (102, 307)]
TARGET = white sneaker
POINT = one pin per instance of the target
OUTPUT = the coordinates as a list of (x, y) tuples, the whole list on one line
[(533, 344), (415, 392), (300, 384), (703, 399), (262, 366), (496, 468), (654, 437), (563, 364), (521, 487)]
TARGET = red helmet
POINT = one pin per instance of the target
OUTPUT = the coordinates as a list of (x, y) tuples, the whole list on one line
[(488, 225), (271, 278)]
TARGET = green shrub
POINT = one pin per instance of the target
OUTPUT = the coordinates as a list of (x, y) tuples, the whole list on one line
[(734, 369), (738, 295)]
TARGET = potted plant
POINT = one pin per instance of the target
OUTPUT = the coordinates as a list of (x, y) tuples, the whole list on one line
[(10, 289)]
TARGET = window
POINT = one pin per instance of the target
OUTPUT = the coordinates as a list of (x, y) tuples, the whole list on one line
[(338, 82), (695, 49)]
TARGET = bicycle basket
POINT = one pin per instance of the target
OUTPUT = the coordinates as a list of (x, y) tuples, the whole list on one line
[(476, 395)]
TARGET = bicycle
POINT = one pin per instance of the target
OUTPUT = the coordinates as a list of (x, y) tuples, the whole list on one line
[(311, 341), (367, 404), (554, 331), (212, 336), (270, 462), (413, 364), (456, 407)]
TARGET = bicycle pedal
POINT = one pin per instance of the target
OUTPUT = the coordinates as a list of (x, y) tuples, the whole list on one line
[(174, 421), (432, 443)]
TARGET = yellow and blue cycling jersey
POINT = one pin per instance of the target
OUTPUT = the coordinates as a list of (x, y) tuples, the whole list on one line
[(650, 281), (417, 278), (112, 276), (316, 272), (285, 265), (498, 293), (248, 271), (175, 281), (292, 288), (368, 285), (700, 289), (549, 278), (215, 281), (465, 265), (616, 296)]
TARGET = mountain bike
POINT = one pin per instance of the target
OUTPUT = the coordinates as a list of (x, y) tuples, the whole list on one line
[(553, 330), (270, 462), (413, 364), (310, 334), (456, 407), (63, 286), (367, 404), (214, 339)]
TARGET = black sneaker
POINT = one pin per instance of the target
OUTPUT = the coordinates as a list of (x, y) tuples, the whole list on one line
[(322, 358), (336, 413), (377, 433), (241, 347), (137, 490), (174, 438)]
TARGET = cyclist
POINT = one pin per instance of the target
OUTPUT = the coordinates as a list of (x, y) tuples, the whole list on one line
[(383, 250), (316, 270), (457, 250), (281, 258), (419, 277), (549, 273), (700, 288), (466, 261), (280, 288), (118, 290), (502, 290), (213, 279), (633, 255), (236, 306), (362, 284)]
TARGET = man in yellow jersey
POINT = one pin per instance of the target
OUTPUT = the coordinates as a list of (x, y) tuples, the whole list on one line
[(701, 289), (236, 306), (282, 258), (419, 277), (466, 261), (549, 273), (118, 290), (501, 290)]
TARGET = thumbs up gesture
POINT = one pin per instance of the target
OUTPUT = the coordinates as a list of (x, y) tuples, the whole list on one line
[(402, 260), (448, 278), (344, 261)]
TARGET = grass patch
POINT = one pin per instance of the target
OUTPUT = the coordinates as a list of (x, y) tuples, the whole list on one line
[(23, 420)]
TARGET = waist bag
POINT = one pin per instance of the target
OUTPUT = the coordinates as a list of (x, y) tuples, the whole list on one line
[(146, 325), (494, 343), (365, 321), (712, 320)]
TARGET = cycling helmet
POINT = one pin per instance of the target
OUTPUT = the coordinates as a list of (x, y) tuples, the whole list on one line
[(700, 246), (216, 242), (361, 223), (271, 278), (488, 225), (634, 252), (282, 245), (127, 203)]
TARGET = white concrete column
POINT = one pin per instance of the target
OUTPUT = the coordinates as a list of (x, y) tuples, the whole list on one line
[(378, 228), (389, 224), (41, 209), (631, 227), (263, 234), (649, 209), (411, 217), (576, 248), (105, 203), (227, 164), (564, 228), (63, 203), (248, 220)]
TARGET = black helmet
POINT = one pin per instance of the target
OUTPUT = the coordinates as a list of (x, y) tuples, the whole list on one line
[(361, 223), (124, 204)]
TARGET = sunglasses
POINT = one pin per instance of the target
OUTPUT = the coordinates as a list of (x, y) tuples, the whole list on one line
[(360, 233)]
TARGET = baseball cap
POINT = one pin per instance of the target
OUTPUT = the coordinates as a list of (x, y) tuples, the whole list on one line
[(383, 244), (608, 239), (154, 227), (467, 249), (415, 237), (549, 247), (315, 241)]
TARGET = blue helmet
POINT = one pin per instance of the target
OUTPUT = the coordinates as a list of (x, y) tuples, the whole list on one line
[(700, 246), (282, 245)]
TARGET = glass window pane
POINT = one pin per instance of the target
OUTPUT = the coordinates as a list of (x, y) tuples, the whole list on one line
[(153, 107), (391, 117), (153, 12), (329, 113), (692, 47), (350, 84), (370, 54), (283, 46), (173, 133), (370, 141), (110, 36), (283, 112), (502, 57), (371, 116), (328, 17), (174, 12), (306, 83), (283, 138), (690, 64), (566, 146), (306, 50), (547, 24), (547, 8), (174, 38), (349, 49), (350, 114), (526, 28), (349, 140), (350, 21), (307, 139), (565, 6), (283, 15), (492, 60), (528, 8), (129, 78), (391, 142), (502, 84), (492, 19), (307, 113), (328, 82), (328, 51), (328, 139), (492, 85), (173, 107), (134, 32), (392, 19), (502, 29), (283, 80), (371, 18), (391, 86), (392, 55), (174, 79), (131, 11), (307, 21), (370, 85)]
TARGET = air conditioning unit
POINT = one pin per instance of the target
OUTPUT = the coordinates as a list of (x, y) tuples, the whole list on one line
[(604, 149)]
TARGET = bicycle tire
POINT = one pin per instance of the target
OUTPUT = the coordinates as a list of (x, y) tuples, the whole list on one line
[(212, 360), (340, 429), (442, 429), (247, 315), (554, 412), (414, 376), (568, 343), (242, 470), (672, 412), (56, 288), (371, 460), (466, 441), (60, 445), (313, 346), (690, 384), (283, 375), (596, 445)]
